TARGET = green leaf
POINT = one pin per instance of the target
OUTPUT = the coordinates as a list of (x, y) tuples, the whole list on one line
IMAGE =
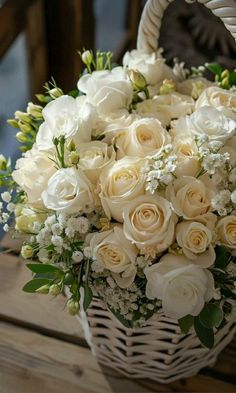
[(186, 323), (34, 284), (42, 268), (215, 68), (223, 257), (205, 335), (88, 297), (232, 78), (228, 293), (211, 316)]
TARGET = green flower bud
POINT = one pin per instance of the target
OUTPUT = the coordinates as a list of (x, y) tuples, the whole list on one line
[(40, 97), (55, 290), (72, 307), (24, 117), (35, 110), (137, 79), (87, 57), (74, 158), (225, 83), (13, 123), (21, 137), (3, 163), (44, 289), (167, 87), (55, 93), (27, 251), (225, 74), (71, 145), (68, 279), (25, 128)]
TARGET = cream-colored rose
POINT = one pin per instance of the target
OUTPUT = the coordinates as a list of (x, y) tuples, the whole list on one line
[(143, 138), (166, 107), (69, 191), (94, 156), (120, 183), (108, 91), (151, 65), (186, 151), (29, 221), (73, 118), (116, 123), (149, 223), (193, 86), (116, 254), (190, 197), (195, 240), (32, 174), (221, 99), (211, 122), (183, 287), (226, 231)]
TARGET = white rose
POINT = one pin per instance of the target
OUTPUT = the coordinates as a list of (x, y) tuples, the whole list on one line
[(193, 86), (149, 223), (151, 65), (73, 118), (190, 197), (116, 254), (184, 288), (195, 240), (144, 137), (166, 107), (32, 174), (223, 100), (230, 147), (94, 156), (211, 122), (108, 91), (120, 183), (226, 231), (69, 191), (186, 151), (117, 122)]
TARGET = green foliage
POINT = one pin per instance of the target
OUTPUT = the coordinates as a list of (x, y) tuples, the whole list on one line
[(223, 257), (211, 316), (88, 297), (205, 335), (224, 78), (35, 284), (186, 323)]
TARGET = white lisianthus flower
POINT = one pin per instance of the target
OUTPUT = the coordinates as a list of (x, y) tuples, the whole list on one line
[(68, 191), (108, 91), (120, 183), (226, 231), (195, 240), (211, 122), (32, 174), (166, 107), (190, 197), (94, 156), (116, 254), (73, 118), (144, 137), (221, 99), (151, 65), (149, 223), (183, 287)]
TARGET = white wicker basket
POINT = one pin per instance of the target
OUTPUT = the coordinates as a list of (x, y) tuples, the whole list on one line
[(158, 350)]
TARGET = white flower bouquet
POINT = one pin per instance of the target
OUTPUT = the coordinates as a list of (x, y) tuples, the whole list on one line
[(126, 190)]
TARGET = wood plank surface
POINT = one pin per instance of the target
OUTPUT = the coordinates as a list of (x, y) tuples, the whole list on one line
[(41, 311), (33, 363)]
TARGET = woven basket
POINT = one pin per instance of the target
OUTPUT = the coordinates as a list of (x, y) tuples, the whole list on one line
[(158, 350)]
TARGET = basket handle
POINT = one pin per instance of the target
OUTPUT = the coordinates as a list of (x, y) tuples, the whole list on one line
[(150, 23)]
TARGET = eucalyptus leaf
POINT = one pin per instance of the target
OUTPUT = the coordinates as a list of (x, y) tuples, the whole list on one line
[(205, 335), (211, 316), (35, 284), (186, 323)]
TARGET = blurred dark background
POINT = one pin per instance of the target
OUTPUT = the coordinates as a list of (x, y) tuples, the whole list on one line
[(40, 39)]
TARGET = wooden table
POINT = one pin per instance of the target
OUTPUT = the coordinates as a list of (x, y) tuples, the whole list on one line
[(42, 348)]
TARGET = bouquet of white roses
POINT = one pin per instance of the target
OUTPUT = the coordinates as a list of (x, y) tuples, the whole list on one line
[(126, 190)]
